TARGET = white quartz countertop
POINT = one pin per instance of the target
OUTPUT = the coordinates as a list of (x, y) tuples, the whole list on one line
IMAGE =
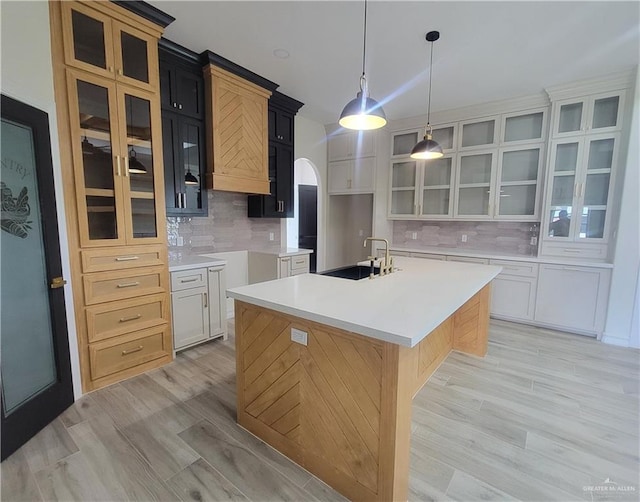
[(493, 256), (187, 262), (282, 252), (400, 308)]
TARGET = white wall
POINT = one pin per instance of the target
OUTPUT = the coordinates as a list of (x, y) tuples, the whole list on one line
[(625, 289), (27, 75), (311, 144)]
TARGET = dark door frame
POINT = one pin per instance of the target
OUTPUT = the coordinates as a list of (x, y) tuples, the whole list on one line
[(35, 414)]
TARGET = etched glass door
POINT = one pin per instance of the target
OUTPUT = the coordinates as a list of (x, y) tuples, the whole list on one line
[(36, 379)]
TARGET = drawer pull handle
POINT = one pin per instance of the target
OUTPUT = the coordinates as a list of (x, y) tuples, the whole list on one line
[(189, 280), (131, 351), (129, 284), (132, 318), (571, 250), (510, 268), (127, 258), (299, 262)]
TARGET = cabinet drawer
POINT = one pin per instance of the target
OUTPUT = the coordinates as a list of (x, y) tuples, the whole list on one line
[(111, 356), (468, 259), (593, 251), (110, 286), (299, 271), (100, 260), (523, 269), (300, 262), (187, 279), (117, 318)]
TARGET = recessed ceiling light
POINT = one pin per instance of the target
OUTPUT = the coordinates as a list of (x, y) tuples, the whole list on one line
[(281, 53)]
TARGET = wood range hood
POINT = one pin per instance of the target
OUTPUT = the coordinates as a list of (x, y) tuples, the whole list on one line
[(236, 109)]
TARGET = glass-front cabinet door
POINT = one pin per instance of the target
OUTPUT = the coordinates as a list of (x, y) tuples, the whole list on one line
[(565, 159), (95, 142), (114, 141), (475, 178), (594, 114), (518, 175), (94, 42), (437, 186), (479, 133), (140, 142), (595, 186), (88, 39), (523, 127), (580, 188), (404, 180)]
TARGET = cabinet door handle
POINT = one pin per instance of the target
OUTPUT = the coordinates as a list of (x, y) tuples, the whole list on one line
[(118, 165), (126, 166), (206, 301), (179, 107), (188, 280), (175, 105), (129, 284), (110, 69), (131, 351), (132, 318), (184, 200), (120, 71)]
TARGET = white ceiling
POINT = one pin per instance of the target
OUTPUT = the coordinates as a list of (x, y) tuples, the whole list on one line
[(487, 50)]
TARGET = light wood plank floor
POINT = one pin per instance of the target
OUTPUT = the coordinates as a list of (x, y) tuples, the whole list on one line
[(545, 416)]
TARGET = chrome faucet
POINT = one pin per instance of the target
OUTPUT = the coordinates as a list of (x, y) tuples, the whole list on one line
[(388, 264)]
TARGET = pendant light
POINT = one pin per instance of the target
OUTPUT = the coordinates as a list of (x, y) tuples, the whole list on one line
[(135, 166), (363, 113), (428, 148), (190, 179)]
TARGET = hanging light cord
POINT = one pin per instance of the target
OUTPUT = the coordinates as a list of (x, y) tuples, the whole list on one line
[(363, 79), (430, 75)]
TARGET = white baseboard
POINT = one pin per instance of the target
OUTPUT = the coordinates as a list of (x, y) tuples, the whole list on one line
[(612, 340)]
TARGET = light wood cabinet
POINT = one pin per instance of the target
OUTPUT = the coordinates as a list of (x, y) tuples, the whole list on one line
[(198, 306), (108, 108), (96, 42), (117, 161), (237, 133)]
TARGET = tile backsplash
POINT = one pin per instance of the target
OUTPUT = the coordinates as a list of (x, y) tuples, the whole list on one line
[(227, 228), (504, 237)]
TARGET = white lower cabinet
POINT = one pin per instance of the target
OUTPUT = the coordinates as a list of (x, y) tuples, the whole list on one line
[(513, 291), (269, 266), (197, 305), (574, 298)]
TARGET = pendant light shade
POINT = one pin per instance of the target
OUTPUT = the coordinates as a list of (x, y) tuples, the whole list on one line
[(363, 113), (428, 148), (135, 166), (190, 179)]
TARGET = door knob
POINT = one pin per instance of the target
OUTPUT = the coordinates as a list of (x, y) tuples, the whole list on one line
[(57, 282)]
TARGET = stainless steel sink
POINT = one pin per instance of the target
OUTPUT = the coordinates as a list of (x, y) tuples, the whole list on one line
[(353, 272)]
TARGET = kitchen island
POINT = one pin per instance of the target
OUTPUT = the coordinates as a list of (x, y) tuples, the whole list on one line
[(327, 367)]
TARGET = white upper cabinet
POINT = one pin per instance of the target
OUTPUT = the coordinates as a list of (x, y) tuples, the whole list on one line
[(524, 127), (583, 160), (479, 133), (491, 170), (476, 178), (351, 145), (352, 176), (586, 115)]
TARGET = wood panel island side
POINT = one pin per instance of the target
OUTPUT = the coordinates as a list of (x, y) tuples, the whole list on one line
[(327, 368)]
